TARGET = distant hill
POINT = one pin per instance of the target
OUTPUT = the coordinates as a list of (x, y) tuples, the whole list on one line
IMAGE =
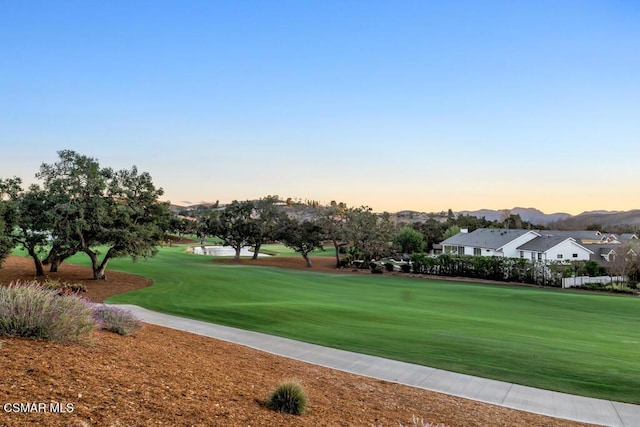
[(532, 215), (604, 219)]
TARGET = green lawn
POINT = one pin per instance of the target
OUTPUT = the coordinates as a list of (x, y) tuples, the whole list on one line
[(573, 342), (281, 250)]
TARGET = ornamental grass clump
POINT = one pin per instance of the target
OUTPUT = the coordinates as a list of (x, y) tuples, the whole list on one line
[(418, 422), (289, 398), (28, 310), (116, 320)]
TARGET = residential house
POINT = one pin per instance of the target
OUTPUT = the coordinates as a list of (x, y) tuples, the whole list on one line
[(554, 248), (517, 243), (488, 242)]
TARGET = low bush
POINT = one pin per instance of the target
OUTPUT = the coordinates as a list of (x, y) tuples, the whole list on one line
[(63, 288), (289, 398), (28, 310), (115, 319), (419, 422), (388, 266), (406, 268), (609, 287), (593, 286), (376, 270)]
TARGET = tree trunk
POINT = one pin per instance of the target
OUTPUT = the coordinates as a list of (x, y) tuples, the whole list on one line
[(236, 257), (54, 263), (100, 274), (337, 246), (37, 262), (55, 258), (99, 268), (307, 259), (94, 262), (256, 250)]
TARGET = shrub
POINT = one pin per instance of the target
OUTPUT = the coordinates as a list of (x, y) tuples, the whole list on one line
[(406, 268), (28, 310), (419, 422), (388, 266), (63, 288), (376, 270), (289, 397), (116, 320), (609, 287)]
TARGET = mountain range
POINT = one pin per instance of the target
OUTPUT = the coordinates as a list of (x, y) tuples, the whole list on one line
[(561, 220), (614, 220), (532, 215)]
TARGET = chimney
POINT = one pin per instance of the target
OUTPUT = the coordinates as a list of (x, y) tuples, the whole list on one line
[(464, 230)]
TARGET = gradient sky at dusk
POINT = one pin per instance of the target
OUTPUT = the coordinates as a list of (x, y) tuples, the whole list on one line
[(423, 105)]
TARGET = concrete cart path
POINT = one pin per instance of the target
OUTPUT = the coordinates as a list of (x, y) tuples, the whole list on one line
[(560, 405)]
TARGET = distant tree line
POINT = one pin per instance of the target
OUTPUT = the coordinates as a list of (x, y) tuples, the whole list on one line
[(355, 232)]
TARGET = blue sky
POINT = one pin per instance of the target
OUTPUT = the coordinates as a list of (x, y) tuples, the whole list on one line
[(418, 105)]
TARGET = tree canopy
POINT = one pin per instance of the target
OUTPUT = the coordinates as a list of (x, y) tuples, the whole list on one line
[(302, 236), (8, 215), (409, 241), (82, 207), (234, 225)]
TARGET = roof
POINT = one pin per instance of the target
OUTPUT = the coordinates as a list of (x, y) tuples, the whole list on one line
[(544, 243), (606, 250), (490, 238), (576, 234), (628, 236), (601, 251)]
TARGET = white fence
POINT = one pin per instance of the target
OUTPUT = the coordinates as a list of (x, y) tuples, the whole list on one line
[(577, 281)]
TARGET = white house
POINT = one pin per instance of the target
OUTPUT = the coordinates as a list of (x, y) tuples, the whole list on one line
[(489, 242), (511, 243), (554, 248)]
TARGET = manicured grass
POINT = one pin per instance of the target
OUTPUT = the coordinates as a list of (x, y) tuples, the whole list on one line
[(573, 342), (282, 250)]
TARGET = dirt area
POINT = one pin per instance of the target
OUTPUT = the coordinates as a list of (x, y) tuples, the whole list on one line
[(164, 377)]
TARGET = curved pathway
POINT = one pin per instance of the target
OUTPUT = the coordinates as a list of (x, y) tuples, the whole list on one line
[(554, 404)]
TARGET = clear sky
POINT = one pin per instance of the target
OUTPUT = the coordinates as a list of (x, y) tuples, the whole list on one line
[(423, 105)]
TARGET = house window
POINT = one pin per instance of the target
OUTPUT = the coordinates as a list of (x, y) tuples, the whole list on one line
[(575, 255), (477, 251), (533, 256), (559, 256), (521, 254), (539, 256), (460, 250)]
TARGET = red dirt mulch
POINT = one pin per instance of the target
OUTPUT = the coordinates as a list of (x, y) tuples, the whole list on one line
[(165, 377)]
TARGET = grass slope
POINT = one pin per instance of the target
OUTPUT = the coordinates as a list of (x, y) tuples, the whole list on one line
[(572, 342), (282, 250)]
